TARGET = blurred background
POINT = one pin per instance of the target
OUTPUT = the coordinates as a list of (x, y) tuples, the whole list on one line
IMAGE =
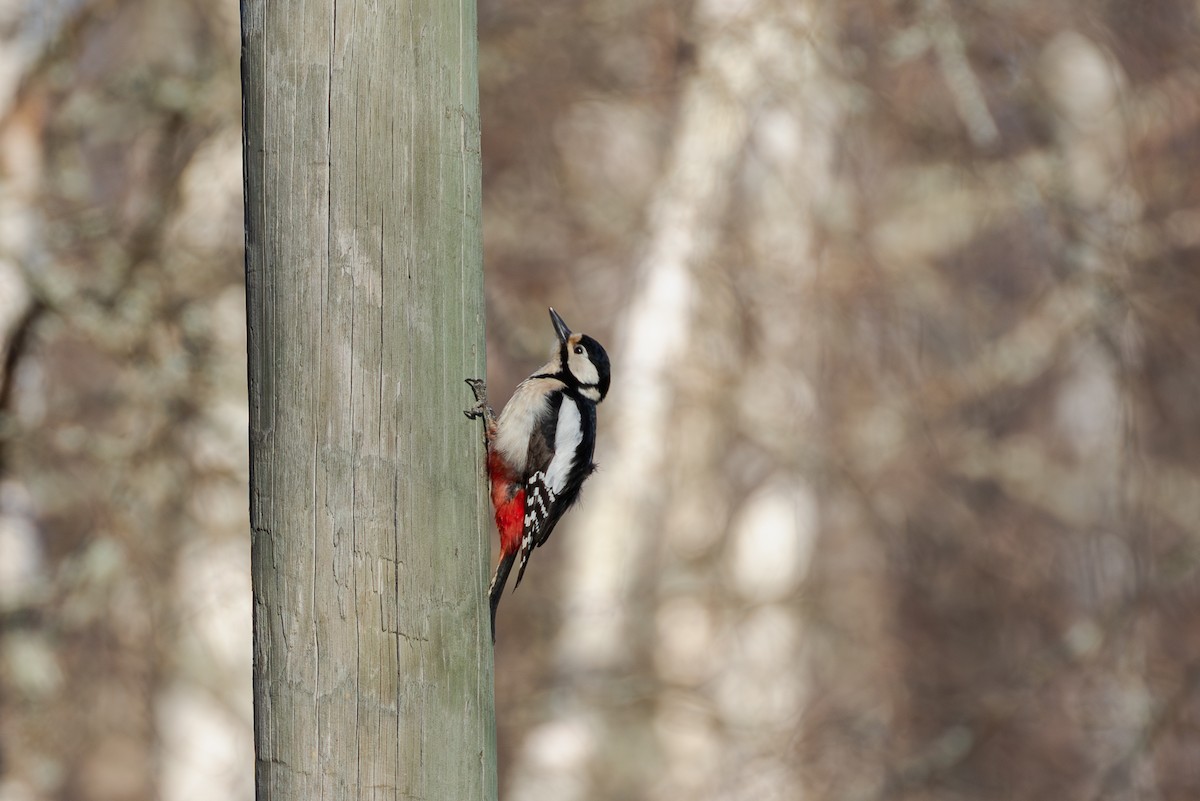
[(899, 493)]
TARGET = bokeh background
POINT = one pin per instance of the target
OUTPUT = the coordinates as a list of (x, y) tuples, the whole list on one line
[(900, 474)]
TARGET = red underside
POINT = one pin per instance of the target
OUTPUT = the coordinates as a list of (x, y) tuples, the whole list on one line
[(508, 498), (510, 520)]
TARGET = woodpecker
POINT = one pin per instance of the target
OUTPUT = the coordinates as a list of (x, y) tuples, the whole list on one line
[(539, 451)]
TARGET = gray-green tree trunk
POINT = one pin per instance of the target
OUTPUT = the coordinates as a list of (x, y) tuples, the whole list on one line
[(372, 660)]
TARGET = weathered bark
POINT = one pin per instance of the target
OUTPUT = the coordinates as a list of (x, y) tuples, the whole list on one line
[(373, 662)]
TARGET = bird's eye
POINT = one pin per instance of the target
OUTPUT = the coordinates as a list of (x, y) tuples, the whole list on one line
[(579, 349)]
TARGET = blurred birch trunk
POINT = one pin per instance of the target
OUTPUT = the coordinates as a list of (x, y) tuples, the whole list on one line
[(986, 498), (713, 353), (373, 667)]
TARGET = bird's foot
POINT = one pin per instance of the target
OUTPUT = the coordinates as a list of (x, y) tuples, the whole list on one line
[(480, 409)]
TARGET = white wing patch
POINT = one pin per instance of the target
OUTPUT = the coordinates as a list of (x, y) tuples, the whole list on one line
[(539, 500), (567, 437)]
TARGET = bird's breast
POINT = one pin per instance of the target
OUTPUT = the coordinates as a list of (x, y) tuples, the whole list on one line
[(523, 412)]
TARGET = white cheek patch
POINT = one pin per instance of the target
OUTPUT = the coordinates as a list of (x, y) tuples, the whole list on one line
[(567, 437), (583, 369)]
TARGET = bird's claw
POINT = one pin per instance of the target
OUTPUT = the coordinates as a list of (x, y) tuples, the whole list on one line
[(480, 409)]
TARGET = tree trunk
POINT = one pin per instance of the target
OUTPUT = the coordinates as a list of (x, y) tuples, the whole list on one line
[(372, 659)]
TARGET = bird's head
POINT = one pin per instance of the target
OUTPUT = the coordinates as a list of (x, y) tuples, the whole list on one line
[(583, 361)]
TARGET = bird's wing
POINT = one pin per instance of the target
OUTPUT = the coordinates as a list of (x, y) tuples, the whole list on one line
[(552, 454)]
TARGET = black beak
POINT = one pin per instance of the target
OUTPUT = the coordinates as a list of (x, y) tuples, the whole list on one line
[(560, 327)]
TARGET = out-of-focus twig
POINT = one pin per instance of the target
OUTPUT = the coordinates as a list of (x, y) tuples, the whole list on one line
[(960, 78)]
